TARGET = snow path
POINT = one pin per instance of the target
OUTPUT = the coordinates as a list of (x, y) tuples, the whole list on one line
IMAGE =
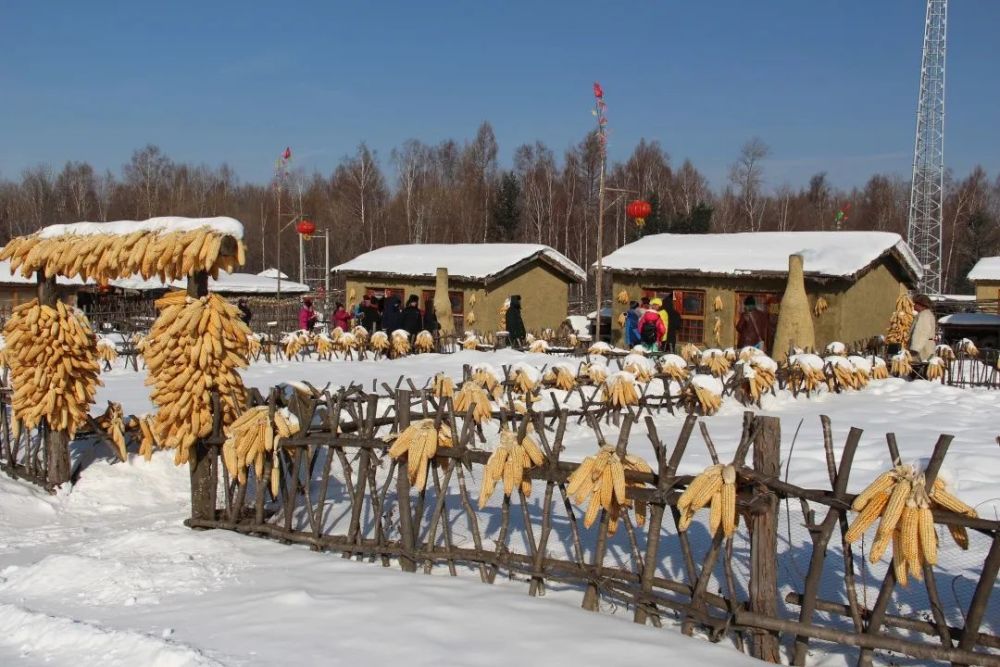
[(107, 574)]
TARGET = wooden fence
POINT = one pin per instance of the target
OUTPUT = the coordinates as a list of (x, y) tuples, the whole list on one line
[(340, 491)]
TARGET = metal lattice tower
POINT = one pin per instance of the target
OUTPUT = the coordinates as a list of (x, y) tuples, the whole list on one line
[(926, 194)]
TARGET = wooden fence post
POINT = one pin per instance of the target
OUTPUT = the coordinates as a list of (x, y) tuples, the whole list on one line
[(407, 562), (202, 469), (57, 463), (764, 540)]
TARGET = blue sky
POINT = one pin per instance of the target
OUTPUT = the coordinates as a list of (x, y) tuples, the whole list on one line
[(828, 85)]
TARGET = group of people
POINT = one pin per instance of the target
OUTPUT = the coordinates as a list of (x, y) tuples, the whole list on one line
[(375, 314), (652, 324)]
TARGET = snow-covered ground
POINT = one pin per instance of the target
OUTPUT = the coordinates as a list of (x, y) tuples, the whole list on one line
[(107, 574)]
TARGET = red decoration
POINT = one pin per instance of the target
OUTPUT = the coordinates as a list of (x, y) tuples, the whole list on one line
[(598, 91), (306, 227), (639, 210), (287, 154)]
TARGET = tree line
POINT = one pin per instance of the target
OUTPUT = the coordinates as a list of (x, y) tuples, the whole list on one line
[(456, 192)]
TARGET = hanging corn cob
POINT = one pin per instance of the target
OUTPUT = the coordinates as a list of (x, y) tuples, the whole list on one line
[(731, 355), (620, 390), (901, 322), (935, 368), (107, 351), (196, 346), (717, 330), (325, 345), (360, 337), (52, 354), (379, 342), (157, 249), (716, 362), (901, 364), (470, 319), (524, 377), (945, 352), (642, 367), (622, 318), (400, 343), (836, 348), (749, 352), (862, 370), (253, 345), (112, 422), (714, 487), (148, 441), (674, 367), (820, 307), (880, 371), (295, 343), (691, 354), (601, 479), (507, 463), (806, 372), (968, 348), (423, 343), (900, 500), (540, 346), (759, 375), (717, 304), (600, 349), (839, 371), (471, 394), (252, 438), (443, 386), (562, 376), (419, 442), (623, 297), (488, 378), (706, 392), (470, 342)]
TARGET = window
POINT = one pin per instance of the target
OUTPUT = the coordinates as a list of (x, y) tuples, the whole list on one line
[(691, 306), (457, 299)]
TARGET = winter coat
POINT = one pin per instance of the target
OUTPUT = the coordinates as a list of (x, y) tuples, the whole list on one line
[(673, 323), (632, 327), (307, 318), (412, 320), (923, 333), (430, 320), (245, 313), (666, 324), (751, 329), (514, 324), (342, 319), (657, 321), (391, 314), (369, 318)]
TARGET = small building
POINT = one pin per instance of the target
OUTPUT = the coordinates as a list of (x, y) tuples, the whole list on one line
[(708, 276), (985, 275), (228, 285), (481, 277), (15, 289)]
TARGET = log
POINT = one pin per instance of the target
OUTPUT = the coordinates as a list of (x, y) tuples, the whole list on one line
[(763, 588)]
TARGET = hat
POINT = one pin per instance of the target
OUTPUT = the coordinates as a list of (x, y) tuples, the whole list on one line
[(307, 301), (749, 301), (656, 302), (923, 300)]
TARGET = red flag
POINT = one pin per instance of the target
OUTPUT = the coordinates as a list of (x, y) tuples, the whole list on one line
[(598, 91), (287, 154)]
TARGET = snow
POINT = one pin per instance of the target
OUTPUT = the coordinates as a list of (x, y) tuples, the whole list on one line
[(806, 361), (469, 261), (8, 278), (580, 324), (234, 283), (835, 254), (163, 225), (273, 273), (987, 268), (709, 383), (106, 573), (672, 361)]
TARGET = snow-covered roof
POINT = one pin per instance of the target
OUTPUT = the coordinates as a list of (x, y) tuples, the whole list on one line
[(273, 273), (971, 320), (224, 225), (470, 261), (831, 254), (233, 283), (987, 268), (8, 278)]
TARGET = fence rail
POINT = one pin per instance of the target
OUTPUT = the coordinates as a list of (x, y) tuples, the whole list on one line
[(340, 491)]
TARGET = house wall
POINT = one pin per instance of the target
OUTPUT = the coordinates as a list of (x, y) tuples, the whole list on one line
[(987, 290), (544, 295), (855, 311)]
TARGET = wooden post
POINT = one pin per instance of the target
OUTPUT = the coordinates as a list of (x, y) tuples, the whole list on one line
[(764, 540), (407, 562), (203, 473), (57, 461)]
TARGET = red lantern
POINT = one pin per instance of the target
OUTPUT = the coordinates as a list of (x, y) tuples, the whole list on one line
[(639, 210), (306, 227)]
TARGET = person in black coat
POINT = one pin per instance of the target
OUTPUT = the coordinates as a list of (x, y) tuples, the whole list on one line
[(412, 319), (392, 316), (430, 319), (515, 325), (673, 324), (245, 313), (368, 315)]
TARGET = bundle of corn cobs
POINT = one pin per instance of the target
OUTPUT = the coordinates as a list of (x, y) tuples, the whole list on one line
[(716, 485), (295, 343), (106, 350), (424, 342), (379, 342), (706, 392), (53, 361), (112, 422), (195, 347), (108, 256), (601, 478), (508, 462), (902, 364), (620, 390), (562, 376), (400, 343), (715, 361), (473, 395), (901, 321), (251, 438), (902, 503), (443, 386), (419, 442)]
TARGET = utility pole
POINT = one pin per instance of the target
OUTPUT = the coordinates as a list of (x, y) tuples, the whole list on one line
[(924, 230), (602, 121)]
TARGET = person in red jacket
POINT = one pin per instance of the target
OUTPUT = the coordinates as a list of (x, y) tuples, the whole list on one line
[(341, 317), (651, 330), (751, 329)]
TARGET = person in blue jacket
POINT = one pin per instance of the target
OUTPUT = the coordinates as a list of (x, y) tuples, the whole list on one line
[(632, 325)]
